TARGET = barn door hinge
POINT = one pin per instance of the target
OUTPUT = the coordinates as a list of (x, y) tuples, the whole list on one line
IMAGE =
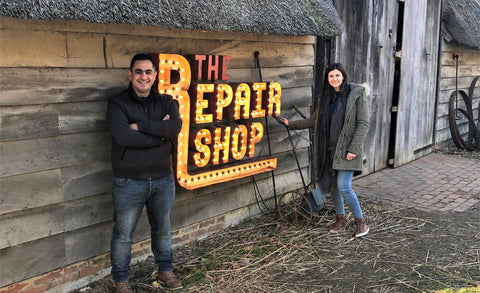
[(398, 55)]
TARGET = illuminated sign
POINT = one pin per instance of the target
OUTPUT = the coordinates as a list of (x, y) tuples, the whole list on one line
[(220, 120)]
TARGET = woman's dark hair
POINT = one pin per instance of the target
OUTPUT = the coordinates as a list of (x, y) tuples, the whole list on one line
[(142, 57), (327, 88)]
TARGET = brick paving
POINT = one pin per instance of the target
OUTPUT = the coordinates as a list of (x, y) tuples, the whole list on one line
[(434, 182)]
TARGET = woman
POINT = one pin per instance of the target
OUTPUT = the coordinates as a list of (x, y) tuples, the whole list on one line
[(341, 125)]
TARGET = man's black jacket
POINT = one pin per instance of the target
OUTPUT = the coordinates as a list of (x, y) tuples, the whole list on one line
[(145, 153)]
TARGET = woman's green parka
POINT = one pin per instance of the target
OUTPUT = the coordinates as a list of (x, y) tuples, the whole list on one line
[(353, 134)]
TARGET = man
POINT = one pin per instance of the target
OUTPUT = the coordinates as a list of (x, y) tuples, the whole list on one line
[(143, 124)]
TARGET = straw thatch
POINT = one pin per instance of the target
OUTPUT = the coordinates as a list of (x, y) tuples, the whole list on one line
[(461, 22), (283, 17)]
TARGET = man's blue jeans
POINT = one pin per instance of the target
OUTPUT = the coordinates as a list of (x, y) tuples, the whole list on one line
[(129, 198), (341, 189)]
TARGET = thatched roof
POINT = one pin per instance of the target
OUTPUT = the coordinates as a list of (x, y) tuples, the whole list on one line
[(461, 22), (283, 17)]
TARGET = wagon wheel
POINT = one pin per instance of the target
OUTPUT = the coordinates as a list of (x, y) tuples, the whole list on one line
[(290, 209)]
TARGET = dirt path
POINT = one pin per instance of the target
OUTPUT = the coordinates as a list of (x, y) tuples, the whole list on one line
[(407, 251)]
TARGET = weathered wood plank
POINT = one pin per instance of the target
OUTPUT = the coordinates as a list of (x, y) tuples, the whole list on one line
[(57, 107), (444, 96), (451, 46), (355, 36), (17, 228), (86, 180), (59, 250), (59, 85), (95, 238), (82, 117), (121, 48), (443, 125), (286, 163), (463, 83), (32, 48), (367, 57), (382, 68), (300, 97), (468, 68), (444, 137), (23, 261), (28, 122), (84, 50), (85, 27), (47, 86), (19, 157), (454, 46), (449, 71), (79, 245), (465, 58), (30, 190), (82, 244), (287, 77), (412, 55), (442, 110), (377, 140), (200, 208), (34, 224), (88, 212), (50, 49), (417, 99), (50, 120), (279, 142)]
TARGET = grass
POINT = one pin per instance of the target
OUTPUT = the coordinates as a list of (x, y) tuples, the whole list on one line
[(231, 258), (461, 290)]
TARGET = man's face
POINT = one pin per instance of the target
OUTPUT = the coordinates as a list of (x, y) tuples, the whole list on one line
[(142, 76)]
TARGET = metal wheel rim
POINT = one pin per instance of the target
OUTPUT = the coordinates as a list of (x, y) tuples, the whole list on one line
[(290, 210)]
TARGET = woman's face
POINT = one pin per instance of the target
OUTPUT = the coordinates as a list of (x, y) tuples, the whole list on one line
[(335, 79)]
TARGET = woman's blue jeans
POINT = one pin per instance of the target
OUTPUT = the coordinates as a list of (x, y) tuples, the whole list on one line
[(129, 198), (341, 189)]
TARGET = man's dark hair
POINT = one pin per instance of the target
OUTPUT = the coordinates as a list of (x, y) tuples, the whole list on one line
[(141, 56)]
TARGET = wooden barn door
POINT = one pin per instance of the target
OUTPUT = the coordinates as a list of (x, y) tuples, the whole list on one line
[(414, 119), (366, 48)]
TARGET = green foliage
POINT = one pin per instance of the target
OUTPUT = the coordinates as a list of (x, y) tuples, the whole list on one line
[(208, 262), (230, 259)]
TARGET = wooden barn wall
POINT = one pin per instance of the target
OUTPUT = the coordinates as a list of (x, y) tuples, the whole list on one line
[(366, 50), (55, 176), (468, 69), (417, 96)]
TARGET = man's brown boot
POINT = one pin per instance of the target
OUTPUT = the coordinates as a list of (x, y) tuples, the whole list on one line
[(169, 279), (339, 224), (361, 227), (123, 287)]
